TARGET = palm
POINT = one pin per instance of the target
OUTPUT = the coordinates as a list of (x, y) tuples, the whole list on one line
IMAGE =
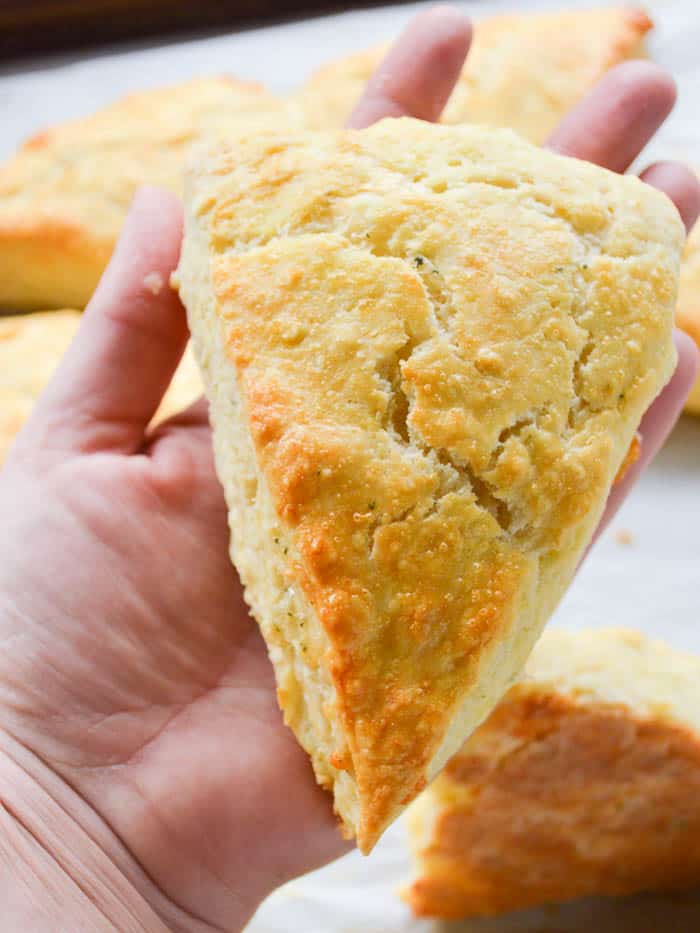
[(166, 696)]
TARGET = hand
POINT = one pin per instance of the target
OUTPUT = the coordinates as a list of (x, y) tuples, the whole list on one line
[(137, 703), (136, 700)]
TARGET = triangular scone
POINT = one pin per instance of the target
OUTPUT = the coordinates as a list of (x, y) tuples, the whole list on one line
[(31, 347), (427, 350), (584, 781), (524, 72), (689, 304), (64, 195)]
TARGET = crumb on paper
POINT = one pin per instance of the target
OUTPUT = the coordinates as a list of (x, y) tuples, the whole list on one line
[(624, 537), (153, 282)]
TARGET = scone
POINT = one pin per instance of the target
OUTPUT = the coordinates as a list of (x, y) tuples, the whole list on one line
[(31, 347), (426, 350), (524, 72), (689, 304), (584, 781), (64, 196)]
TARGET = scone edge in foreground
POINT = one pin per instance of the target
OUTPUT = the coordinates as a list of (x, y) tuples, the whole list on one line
[(377, 468), (583, 782)]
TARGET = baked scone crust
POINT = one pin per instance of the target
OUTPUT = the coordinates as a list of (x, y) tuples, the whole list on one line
[(583, 781), (523, 72), (64, 195), (688, 315), (426, 350), (31, 347)]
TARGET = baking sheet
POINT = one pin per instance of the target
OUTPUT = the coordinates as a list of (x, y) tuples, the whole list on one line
[(651, 583)]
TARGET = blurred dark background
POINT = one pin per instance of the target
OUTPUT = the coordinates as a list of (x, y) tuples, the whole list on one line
[(31, 26)]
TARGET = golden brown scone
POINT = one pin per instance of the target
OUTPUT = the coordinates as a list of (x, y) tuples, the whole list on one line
[(65, 194), (524, 72), (689, 304), (584, 781), (427, 350), (31, 347)]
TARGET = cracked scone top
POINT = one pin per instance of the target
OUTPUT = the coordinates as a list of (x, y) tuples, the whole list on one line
[(427, 350)]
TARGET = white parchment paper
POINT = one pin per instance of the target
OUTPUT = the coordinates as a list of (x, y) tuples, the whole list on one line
[(651, 583)]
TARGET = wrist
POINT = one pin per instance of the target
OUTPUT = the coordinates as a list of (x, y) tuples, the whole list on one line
[(60, 867)]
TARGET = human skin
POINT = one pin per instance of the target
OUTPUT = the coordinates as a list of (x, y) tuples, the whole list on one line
[(147, 780)]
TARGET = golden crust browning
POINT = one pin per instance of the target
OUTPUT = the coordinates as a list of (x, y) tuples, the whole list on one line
[(584, 781), (633, 454), (64, 195), (523, 72), (369, 310), (31, 347)]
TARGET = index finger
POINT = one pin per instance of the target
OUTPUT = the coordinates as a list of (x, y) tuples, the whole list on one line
[(417, 76)]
